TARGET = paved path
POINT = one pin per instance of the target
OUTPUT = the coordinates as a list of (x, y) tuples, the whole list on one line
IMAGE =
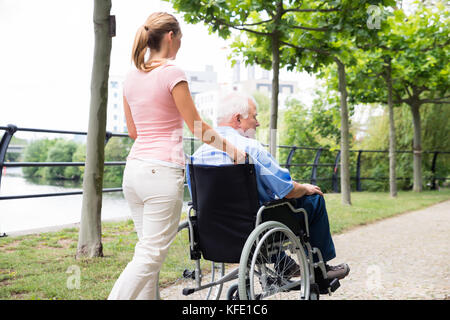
[(403, 257)]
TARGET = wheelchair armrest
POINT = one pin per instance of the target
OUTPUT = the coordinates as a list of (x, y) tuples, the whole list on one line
[(273, 202), (275, 210)]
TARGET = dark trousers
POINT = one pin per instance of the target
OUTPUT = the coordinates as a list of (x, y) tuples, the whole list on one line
[(319, 227)]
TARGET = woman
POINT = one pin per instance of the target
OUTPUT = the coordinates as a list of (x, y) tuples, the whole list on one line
[(156, 101)]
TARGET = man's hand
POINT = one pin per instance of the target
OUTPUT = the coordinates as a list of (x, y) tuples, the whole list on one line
[(301, 190), (312, 189)]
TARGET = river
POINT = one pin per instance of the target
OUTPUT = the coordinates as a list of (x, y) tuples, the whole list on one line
[(27, 215)]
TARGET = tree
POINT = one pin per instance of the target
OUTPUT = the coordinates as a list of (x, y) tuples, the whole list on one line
[(369, 79), (296, 34), (76, 173), (436, 129), (332, 41), (89, 240), (411, 57), (425, 68), (37, 151), (61, 151), (316, 127), (223, 16), (267, 23)]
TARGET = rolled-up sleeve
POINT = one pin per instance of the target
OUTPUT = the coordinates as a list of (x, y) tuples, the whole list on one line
[(275, 182)]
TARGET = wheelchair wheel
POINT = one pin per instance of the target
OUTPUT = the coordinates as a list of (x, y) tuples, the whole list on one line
[(183, 271), (267, 269), (232, 293)]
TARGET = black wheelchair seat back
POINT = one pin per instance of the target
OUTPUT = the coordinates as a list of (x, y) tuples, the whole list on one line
[(225, 199)]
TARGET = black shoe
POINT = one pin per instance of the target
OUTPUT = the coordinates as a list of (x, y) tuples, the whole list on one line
[(340, 271)]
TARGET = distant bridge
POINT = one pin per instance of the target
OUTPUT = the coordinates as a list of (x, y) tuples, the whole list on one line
[(16, 148)]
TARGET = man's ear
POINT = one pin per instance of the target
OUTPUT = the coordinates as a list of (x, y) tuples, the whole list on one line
[(236, 120)]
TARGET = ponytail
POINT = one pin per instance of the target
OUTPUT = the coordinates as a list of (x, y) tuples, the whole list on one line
[(140, 48)]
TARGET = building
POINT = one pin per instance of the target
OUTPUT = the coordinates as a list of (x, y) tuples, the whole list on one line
[(248, 79), (205, 91), (202, 81), (258, 79), (206, 103)]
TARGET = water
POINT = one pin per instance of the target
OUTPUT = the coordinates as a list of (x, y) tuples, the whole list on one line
[(27, 214)]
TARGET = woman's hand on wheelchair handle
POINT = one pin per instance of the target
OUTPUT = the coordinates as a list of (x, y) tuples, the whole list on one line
[(239, 156)]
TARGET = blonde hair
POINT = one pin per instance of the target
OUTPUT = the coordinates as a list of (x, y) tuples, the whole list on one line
[(149, 36)]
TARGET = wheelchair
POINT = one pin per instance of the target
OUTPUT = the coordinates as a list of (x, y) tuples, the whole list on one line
[(266, 246)]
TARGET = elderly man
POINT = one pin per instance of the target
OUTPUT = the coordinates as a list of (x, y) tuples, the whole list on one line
[(237, 122)]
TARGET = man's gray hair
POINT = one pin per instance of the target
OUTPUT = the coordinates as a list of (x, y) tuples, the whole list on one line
[(232, 103)]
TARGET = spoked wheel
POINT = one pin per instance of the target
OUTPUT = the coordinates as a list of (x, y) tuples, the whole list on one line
[(232, 293), (183, 269), (273, 265)]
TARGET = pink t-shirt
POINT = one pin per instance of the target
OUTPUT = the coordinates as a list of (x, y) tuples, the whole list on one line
[(158, 122)]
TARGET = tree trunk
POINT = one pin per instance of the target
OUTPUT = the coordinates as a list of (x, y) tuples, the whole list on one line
[(89, 240), (417, 146), (345, 159), (392, 157), (275, 88)]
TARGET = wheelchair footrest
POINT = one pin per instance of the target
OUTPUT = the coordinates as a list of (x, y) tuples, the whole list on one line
[(328, 285), (334, 284), (188, 291)]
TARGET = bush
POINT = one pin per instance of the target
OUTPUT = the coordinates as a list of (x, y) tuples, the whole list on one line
[(55, 150), (37, 151), (76, 173), (117, 149), (61, 151)]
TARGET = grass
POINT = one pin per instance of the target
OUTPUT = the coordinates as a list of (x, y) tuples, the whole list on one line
[(43, 266)]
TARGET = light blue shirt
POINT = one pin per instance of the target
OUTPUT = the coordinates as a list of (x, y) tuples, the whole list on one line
[(273, 182)]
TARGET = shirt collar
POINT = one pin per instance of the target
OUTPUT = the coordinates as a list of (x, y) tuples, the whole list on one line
[(227, 129)]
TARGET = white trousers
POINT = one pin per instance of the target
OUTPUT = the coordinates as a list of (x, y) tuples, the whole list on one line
[(155, 196)]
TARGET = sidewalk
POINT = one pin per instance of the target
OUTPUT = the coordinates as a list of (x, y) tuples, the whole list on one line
[(403, 257)]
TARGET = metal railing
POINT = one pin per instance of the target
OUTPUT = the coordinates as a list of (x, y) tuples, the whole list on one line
[(10, 130), (335, 177)]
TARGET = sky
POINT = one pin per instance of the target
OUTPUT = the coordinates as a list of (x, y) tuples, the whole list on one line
[(46, 57), (46, 53)]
